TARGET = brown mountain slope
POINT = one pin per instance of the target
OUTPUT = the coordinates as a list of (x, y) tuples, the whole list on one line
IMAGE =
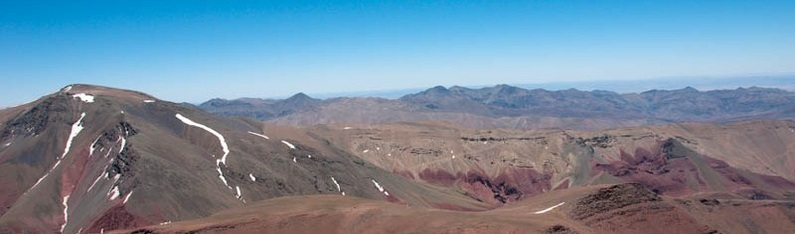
[(624, 208), (498, 166), (92, 158)]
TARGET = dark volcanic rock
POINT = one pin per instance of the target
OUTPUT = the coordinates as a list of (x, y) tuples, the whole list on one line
[(611, 198), (559, 229)]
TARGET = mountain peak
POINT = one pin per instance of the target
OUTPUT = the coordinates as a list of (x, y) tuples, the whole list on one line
[(300, 96), (96, 90), (438, 89)]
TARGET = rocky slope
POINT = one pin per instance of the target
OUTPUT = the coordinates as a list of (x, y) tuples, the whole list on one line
[(744, 159), (92, 159)]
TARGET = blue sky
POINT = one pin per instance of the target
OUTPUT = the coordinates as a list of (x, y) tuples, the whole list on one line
[(196, 50)]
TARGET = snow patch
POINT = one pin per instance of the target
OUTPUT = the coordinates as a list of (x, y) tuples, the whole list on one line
[(84, 97), (252, 177), (76, 128), (93, 147), (309, 156), (295, 161), (365, 151), (7, 144), (66, 89), (259, 135), (95, 182), (65, 212), (337, 184), (114, 193), (453, 156), (123, 144), (380, 188), (218, 135), (127, 197), (238, 195), (166, 222), (221, 139), (149, 101), (108, 153), (288, 144), (548, 209), (221, 173), (347, 128)]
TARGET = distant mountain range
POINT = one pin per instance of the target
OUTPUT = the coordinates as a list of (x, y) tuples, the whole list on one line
[(513, 107)]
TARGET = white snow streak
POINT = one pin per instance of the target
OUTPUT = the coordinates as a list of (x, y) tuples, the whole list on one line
[(237, 188), (114, 193), (7, 144), (259, 135), (93, 147), (380, 189), (337, 184), (221, 173), (67, 89), (288, 144), (108, 153), (346, 128), (65, 212), (295, 161), (149, 101), (76, 128), (123, 144), (220, 137), (95, 182), (84, 97), (252, 177), (127, 197), (548, 209), (309, 156), (365, 151), (166, 222)]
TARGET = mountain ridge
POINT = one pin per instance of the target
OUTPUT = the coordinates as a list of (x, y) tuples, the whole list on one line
[(93, 159), (487, 107)]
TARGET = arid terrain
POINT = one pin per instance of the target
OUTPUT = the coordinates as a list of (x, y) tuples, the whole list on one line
[(90, 159)]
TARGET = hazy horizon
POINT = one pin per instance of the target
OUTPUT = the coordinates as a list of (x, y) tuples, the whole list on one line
[(185, 51)]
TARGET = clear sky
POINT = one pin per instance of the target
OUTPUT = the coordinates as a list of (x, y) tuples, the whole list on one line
[(196, 50)]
